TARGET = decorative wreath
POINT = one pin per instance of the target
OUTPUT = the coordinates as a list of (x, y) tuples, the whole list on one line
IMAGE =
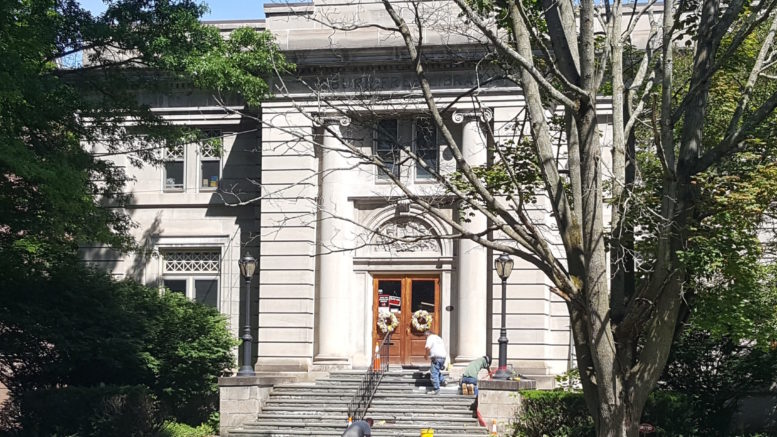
[(387, 322), (422, 320)]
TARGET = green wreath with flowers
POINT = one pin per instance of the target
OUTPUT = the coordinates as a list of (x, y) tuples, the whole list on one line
[(422, 321), (387, 322)]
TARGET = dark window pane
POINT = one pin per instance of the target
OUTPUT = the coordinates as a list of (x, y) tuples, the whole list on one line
[(176, 285), (426, 147), (174, 175), (423, 296), (206, 291), (387, 148), (210, 174)]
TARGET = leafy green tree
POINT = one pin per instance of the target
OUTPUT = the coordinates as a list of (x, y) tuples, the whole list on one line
[(53, 101)]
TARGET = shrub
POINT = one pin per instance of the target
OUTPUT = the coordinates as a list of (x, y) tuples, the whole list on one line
[(553, 413), (77, 327), (175, 429), (90, 411), (716, 372), (564, 414), (672, 414)]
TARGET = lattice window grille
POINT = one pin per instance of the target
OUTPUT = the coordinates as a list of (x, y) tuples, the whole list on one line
[(191, 262), (175, 152), (211, 146)]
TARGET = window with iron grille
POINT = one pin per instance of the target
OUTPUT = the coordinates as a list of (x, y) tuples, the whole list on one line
[(193, 273), (174, 168), (210, 159), (427, 149)]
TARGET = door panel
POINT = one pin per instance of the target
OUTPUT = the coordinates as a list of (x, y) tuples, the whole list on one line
[(388, 297), (423, 296), (403, 295)]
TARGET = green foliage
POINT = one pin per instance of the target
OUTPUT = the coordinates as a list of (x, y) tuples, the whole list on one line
[(174, 429), (564, 414), (553, 413), (52, 188), (715, 372), (672, 414), (90, 411), (515, 175), (78, 327)]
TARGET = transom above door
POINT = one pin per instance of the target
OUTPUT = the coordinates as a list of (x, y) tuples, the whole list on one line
[(403, 295)]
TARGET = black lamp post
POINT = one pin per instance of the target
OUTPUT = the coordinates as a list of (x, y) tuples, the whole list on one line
[(503, 266), (247, 267)]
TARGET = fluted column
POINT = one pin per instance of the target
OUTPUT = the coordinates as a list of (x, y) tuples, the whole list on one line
[(335, 242), (472, 260)]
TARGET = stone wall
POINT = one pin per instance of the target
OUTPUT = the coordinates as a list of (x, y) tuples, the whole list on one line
[(241, 398)]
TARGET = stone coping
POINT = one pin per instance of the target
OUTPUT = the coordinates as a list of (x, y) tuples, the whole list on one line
[(244, 381), (506, 385)]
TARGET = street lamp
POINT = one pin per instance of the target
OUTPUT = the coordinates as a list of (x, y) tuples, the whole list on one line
[(247, 267), (503, 266)]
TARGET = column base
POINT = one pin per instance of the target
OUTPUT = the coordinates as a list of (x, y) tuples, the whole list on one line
[(463, 360), (327, 363)]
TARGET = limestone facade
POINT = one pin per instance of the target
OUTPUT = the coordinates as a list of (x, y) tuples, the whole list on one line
[(326, 225)]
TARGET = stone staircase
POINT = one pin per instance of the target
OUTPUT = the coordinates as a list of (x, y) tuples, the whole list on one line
[(401, 407)]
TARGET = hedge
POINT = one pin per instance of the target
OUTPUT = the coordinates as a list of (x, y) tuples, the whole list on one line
[(564, 414), (91, 411)]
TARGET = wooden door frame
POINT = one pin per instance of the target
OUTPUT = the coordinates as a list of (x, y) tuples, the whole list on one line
[(406, 280)]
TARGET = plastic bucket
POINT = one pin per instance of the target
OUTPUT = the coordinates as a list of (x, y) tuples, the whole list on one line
[(427, 432)]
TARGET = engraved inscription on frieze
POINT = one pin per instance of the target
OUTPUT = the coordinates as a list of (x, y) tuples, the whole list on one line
[(405, 235), (392, 81)]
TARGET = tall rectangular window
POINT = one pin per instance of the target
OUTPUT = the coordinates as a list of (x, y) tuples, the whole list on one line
[(210, 160), (193, 273), (174, 169), (387, 147), (426, 148)]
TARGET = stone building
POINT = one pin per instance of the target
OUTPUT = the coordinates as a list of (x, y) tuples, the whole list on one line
[(337, 242)]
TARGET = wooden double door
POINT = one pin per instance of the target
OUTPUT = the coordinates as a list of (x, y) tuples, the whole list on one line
[(403, 295)]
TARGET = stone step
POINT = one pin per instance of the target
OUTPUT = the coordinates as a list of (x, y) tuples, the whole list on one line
[(433, 410), (339, 432), (340, 424), (397, 402), (395, 398), (303, 417)]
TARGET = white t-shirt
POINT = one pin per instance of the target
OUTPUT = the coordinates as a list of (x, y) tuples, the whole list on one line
[(435, 346)]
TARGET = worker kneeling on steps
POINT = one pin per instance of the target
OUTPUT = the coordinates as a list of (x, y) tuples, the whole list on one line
[(469, 380)]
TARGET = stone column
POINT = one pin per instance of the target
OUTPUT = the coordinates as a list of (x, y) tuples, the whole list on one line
[(334, 244), (472, 259)]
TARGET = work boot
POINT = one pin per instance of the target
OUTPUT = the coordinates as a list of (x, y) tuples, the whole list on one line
[(470, 389)]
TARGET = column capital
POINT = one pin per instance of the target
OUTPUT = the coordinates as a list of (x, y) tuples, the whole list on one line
[(484, 115), (328, 120)]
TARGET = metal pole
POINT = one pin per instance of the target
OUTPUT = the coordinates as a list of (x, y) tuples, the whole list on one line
[(247, 369), (501, 372)]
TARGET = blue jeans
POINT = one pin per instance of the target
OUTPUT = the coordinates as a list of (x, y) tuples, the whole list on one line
[(470, 380), (435, 369)]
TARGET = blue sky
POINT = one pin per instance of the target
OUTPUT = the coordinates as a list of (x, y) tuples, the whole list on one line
[(219, 9)]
